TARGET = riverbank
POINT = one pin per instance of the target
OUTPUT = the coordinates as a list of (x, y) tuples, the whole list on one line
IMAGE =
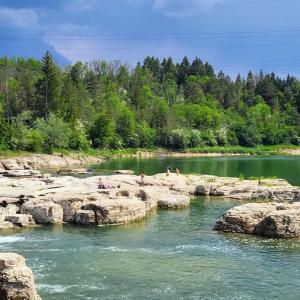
[(66, 159)]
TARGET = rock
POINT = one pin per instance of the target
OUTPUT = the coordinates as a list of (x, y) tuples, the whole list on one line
[(6, 225), (242, 219), (203, 190), (277, 220), (22, 173), (70, 203), (280, 224), (173, 201), (20, 220), (117, 211), (124, 172), (16, 279), (85, 217), (11, 164), (43, 211)]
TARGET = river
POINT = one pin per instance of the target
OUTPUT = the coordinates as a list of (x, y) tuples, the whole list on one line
[(171, 254)]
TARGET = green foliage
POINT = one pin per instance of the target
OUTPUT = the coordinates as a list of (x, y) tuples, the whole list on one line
[(103, 131), (157, 103), (56, 132), (146, 135)]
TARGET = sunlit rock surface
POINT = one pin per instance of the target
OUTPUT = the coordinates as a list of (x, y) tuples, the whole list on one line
[(16, 279)]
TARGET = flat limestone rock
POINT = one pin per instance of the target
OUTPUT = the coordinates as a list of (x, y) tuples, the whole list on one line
[(16, 279), (124, 172), (21, 173)]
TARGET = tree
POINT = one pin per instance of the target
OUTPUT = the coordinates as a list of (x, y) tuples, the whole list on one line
[(48, 87)]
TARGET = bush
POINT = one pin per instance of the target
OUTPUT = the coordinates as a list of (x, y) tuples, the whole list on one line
[(146, 135), (35, 141), (221, 136), (209, 138), (78, 139), (180, 139), (196, 139), (55, 131), (103, 131)]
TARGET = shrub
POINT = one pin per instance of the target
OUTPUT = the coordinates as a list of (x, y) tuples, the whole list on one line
[(35, 141), (180, 139), (78, 139), (221, 136), (55, 131), (196, 139), (209, 138), (146, 135)]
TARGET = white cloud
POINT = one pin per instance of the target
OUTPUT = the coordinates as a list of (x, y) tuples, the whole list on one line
[(81, 5), (182, 9), (22, 18)]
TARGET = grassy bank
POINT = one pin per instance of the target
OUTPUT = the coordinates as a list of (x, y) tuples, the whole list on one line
[(259, 150), (109, 153)]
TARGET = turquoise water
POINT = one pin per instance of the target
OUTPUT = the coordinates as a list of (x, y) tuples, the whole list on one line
[(287, 167), (172, 254)]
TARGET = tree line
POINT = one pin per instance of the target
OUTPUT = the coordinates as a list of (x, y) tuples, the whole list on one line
[(158, 103)]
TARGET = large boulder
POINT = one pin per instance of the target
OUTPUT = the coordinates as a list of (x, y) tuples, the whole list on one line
[(20, 220), (172, 200), (117, 211), (43, 211), (16, 279), (277, 220), (280, 224)]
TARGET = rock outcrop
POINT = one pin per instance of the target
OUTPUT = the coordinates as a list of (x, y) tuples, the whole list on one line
[(121, 198), (276, 220), (45, 161), (16, 279)]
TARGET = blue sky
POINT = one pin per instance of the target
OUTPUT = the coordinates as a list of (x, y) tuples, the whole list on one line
[(234, 35)]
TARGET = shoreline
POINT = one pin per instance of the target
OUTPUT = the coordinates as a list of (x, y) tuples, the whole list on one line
[(29, 161)]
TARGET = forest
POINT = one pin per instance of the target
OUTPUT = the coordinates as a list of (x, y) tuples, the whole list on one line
[(157, 103)]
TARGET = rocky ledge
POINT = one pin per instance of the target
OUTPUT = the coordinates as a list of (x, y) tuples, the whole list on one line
[(120, 199), (16, 279), (46, 161), (275, 220), (124, 198)]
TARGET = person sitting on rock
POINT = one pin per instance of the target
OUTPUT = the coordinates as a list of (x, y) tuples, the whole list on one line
[(103, 185)]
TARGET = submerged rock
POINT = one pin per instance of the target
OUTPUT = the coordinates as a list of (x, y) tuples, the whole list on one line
[(16, 279), (276, 220)]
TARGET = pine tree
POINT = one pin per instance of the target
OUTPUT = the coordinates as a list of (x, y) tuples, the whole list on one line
[(48, 87)]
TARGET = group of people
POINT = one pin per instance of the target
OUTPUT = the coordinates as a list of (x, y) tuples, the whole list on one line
[(142, 183), (169, 171)]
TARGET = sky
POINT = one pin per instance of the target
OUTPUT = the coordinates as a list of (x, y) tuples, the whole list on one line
[(233, 35)]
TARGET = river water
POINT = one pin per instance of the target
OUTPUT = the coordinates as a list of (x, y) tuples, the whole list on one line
[(171, 254)]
